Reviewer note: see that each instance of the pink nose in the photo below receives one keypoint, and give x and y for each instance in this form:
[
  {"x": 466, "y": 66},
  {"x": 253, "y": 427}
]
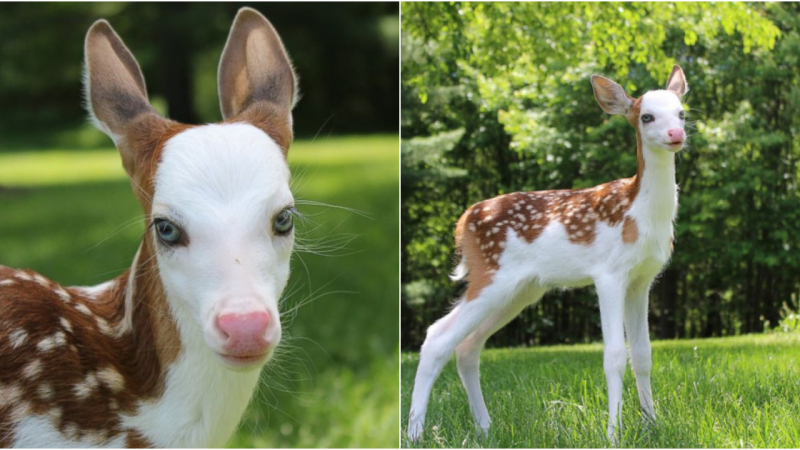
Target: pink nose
[
  {"x": 244, "y": 334},
  {"x": 676, "y": 135}
]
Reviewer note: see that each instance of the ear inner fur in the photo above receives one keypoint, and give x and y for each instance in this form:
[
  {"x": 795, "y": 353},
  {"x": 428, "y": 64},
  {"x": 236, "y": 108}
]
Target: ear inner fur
[
  {"x": 677, "y": 81},
  {"x": 254, "y": 67}
]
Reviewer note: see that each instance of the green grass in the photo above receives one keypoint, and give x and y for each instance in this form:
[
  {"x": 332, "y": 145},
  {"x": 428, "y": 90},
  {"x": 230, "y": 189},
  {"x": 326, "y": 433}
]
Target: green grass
[
  {"x": 728, "y": 392},
  {"x": 71, "y": 216}
]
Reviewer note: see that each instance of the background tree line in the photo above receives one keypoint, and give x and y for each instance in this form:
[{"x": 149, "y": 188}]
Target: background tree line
[
  {"x": 496, "y": 98},
  {"x": 352, "y": 49}
]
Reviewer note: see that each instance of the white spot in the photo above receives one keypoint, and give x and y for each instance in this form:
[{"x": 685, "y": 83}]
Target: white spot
[
  {"x": 472, "y": 227},
  {"x": 23, "y": 276},
  {"x": 71, "y": 431},
  {"x": 495, "y": 230},
  {"x": 7, "y": 282},
  {"x": 501, "y": 244},
  {"x": 495, "y": 256},
  {"x": 62, "y": 294},
  {"x": 45, "y": 391},
  {"x": 18, "y": 337},
  {"x": 9, "y": 395},
  {"x": 66, "y": 325},
  {"x": 102, "y": 324},
  {"x": 49, "y": 343},
  {"x": 84, "y": 309},
  {"x": 85, "y": 388},
  {"x": 111, "y": 378},
  {"x": 488, "y": 218},
  {"x": 41, "y": 280},
  {"x": 33, "y": 369}
]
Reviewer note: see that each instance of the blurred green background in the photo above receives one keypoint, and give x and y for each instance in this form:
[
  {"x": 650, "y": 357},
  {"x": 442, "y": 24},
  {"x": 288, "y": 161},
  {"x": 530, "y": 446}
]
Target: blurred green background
[
  {"x": 496, "y": 98},
  {"x": 67, "y": 211}
]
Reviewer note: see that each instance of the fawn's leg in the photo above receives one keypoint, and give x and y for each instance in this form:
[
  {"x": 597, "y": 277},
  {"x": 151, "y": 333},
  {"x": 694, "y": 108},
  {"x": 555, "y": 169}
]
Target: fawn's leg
[
  {"x": 441, "y": 341},
  {"x": 639, "y": 339},
  {"x": 469, "y": 350},
  {"x": 611, "y": 292}
]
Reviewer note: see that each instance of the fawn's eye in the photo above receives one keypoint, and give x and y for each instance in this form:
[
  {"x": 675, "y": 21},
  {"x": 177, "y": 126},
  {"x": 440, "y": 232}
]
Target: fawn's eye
[
  {"x": 646, "y": 118},
  {"x": 682, "y": 115},
  {"x": 284, "y": 221},
  {"x": 168, "y": 232}
]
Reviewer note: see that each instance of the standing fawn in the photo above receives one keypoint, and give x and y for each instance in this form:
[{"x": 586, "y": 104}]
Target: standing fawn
[
  {"x": 169, "y": 353},
  {"x": 516, "y": 247}
]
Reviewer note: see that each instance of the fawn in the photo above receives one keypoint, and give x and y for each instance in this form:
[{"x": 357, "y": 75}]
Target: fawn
[
  {"x": 617, "y": 236},
  {"x": 169, "y": 353}
]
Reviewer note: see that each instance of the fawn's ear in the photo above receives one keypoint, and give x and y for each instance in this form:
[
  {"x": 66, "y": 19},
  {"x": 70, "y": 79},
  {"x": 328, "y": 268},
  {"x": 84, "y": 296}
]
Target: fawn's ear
[
  {"x": 114, "y": 84},
  {"x": 677, "y": 81},
  {"x": 254, "y": 67},
  {"x": 611, "y": 96}
]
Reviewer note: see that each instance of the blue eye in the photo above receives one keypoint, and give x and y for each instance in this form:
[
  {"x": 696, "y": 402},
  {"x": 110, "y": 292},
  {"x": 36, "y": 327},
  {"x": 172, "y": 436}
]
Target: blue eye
[
  {"x": 646, "y": 118},
  {"x": 284, "y": 221},
  {"x": 168, "y": 232},
  {"x": 682, "y": 115}
]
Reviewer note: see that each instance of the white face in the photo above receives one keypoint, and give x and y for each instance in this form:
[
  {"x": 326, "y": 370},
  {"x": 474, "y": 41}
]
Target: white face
[
  {"x": 661, "y": 121},
  {"x": 222, "y": 213}
]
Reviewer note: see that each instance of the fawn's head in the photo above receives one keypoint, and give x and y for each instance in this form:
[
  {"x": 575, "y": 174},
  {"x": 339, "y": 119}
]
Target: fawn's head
[
  {"x": 658, "y": 116},
  {"x": 216, "y": 197}
]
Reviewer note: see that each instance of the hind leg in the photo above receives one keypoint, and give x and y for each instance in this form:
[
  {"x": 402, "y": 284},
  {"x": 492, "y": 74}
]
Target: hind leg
[
  {"x": 441, "y": 341},
  {"x": 469, "y": 350}
]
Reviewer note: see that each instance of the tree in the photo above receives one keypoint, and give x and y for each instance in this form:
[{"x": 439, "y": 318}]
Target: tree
[{"x": 513, "y": 77}]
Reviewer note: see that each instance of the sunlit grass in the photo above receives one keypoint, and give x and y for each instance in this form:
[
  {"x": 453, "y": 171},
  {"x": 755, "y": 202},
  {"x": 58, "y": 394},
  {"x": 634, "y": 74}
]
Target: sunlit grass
[
  {"x": 71, "y": 215},
  {"x": 728, "y": 392}
]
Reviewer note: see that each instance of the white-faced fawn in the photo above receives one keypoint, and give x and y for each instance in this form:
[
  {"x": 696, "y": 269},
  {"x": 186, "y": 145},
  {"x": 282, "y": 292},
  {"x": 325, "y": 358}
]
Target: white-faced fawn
[
  {"x": 617, "y": 236},
  {"x": 169, "y": 353}
]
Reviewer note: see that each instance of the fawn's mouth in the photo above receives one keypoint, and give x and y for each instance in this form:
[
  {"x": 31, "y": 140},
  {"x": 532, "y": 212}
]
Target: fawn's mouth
[
  {"x": 243, "y": 361},
  {"x": 675, "y": 146}
]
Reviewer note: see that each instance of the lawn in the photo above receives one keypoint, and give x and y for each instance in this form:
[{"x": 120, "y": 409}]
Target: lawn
[
  {"x": 727, "y": 392},
  {"x": 70, "y": 215}
]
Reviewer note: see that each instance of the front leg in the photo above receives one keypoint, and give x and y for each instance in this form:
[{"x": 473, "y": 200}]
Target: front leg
[
  {"x": 637, "y": 330},
  {"x": 611, "y": 292}
]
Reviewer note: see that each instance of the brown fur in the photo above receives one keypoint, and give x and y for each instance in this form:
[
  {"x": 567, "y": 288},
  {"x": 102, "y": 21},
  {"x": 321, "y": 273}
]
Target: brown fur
[
  {"x": 630, "y": 231},
  {"x": 83, "y": 350}
]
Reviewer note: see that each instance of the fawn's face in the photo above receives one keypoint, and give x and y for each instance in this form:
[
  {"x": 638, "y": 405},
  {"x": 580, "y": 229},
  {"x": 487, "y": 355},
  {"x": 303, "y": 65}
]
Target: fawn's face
[
  {"x": 222, "y": 223},
  {"x": 658, "y": 116},
  {"x": 218, "y": 195},
  {"x": 661, "y": 121}
]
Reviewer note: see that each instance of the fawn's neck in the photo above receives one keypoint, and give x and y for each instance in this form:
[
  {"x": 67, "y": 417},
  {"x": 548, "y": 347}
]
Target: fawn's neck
[
  {"x": 657, "y": 197},
  {"x": 191, "y": 399}
]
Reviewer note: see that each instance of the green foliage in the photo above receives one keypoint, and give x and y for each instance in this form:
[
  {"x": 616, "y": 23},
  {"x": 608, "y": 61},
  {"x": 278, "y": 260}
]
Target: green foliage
[
  {"x": 735, "y": 392},
  {"x": 346, "y": 55},
  {"x": 333, "y": 383},
  {"x": 515, "y": 78}
]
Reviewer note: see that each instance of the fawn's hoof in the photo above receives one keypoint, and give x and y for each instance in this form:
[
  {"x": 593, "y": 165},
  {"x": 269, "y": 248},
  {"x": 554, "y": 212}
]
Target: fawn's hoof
[{"x": 414, "y": 432}]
